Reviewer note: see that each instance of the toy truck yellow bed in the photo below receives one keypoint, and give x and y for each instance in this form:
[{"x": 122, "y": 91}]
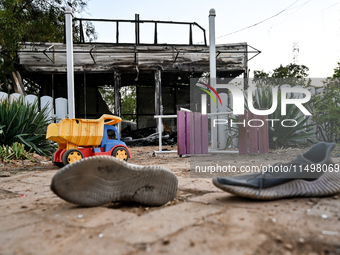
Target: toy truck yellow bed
[{"x": 79, "y": 138}]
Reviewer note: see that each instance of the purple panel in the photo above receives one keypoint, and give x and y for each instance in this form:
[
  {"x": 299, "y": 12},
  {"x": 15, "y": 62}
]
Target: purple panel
[
  {"x": 205, "y": 139},
  {"x": 189, "y": 133},
  {"x": 252, "y": 132},
  {"x": 192, "y": 133},
  {"x": 264, "y": 136},
  {"x": 242, "y": 134},
  {"x": 181, "y": 148},
  {"x": 198, "y": 133}
]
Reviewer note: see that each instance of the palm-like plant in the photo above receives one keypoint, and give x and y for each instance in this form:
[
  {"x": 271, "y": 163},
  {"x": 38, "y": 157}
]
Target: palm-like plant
[{"x": 24, "y": 123}]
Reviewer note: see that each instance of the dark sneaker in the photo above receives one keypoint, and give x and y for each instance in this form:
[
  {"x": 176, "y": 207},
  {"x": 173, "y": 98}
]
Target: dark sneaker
[
  {"x": 311, "y": 174},
  {"x": 100, "y": 180}
]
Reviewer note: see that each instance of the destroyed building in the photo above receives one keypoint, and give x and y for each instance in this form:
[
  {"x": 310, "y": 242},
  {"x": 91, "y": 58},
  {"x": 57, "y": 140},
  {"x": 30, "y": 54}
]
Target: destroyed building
[{"x": 161, "y": 72}]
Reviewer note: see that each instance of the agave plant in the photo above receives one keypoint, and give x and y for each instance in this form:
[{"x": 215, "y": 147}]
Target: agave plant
[
  {"x": 280, "y": 135},
  {"x": 24, "y": 123}
]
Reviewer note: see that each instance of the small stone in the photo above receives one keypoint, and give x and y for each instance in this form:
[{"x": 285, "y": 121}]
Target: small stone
[
  {"x": 324, "y": 216},
  {"x": 101, "y": 235},
  {"x": 24, "y": 206},
  {"x": 276, "y": 237},
  {"x": 336, "y": 197},
  {"x": 288, "y": 246},
  {"x": 165, "y": 241},
  {"x": 301, "y": 240},
  {"x": 273, "y": 220},
  {"x": 80, "y": 216},
  {"x": 310, "y": 203}
]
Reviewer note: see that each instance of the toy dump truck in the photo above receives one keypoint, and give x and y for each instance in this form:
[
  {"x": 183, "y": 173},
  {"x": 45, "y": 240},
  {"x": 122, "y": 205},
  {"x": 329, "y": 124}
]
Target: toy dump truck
[{"x": 81, "y": 138}]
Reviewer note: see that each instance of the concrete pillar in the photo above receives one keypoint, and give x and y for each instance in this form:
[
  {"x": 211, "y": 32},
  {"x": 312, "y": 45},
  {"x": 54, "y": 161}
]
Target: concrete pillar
[
  {"x": 158, "y": 102},
  {"x": 117, "y": 101}
]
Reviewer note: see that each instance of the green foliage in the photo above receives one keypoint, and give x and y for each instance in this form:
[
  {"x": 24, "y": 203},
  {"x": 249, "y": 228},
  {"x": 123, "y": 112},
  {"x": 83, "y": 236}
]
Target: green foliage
[
  {"x": 326, "y": 113},
  {"x": 334, "y": 80},
  {"x": 25, "y": 124},
  {"x": 32, "y": 21},
  {"x": 128, "y": 96},
  {"x": 291, "y": 74},
  {"x": 129, "y": 102},
  {"x": 325, "y": 108},
  {"x": 336, "y": 71},
  {"x": 16, "y": 151},
  {"x": 280, "y": 136}
]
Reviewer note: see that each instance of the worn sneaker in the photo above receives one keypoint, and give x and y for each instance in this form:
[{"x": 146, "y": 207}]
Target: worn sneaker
[
  {"x": 100, "y": 180},
  {"x": 311, "y": 174}
]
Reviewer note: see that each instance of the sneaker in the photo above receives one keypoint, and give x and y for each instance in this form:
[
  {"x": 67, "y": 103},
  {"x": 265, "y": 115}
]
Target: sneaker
[
  {"x": 299, "y": 181},
  {"x": 100, "y": 180}
]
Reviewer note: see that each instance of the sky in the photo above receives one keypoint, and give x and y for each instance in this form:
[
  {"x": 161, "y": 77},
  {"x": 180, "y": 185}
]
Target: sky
[{"x": 274, "y": 27}]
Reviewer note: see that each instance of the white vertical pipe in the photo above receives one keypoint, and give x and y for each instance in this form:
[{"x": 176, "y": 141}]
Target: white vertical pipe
[
  {"x": 203, "y": 103},
  {"x": 160, "y": 131},
  {"x": 212, "y": 50},
  {"x": 70, "y": 70}
]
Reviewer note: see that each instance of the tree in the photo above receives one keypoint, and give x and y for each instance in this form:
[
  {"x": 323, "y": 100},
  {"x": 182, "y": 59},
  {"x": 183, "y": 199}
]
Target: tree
[
  {"x": 326, "y": 110},
  {"x": 291, "y": 74},
  {"x": 128, "y": 101},
  {"x": 31, "y": 21},
  {"x": 336, "y": 71}
]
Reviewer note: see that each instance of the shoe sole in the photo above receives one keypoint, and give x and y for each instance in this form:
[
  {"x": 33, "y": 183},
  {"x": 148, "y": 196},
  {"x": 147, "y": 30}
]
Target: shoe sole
[
  {"x": 326, "y": 185},
  {"x": 100, "y": 180}
]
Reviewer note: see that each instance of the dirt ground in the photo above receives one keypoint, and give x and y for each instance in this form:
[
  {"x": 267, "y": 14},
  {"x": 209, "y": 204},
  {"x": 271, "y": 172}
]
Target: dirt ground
[{"x": 201, "y": 220}]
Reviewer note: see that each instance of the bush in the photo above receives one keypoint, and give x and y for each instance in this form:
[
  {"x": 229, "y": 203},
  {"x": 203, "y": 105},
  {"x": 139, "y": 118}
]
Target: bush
[
  {"x": 326, "y": 114},
  {"x": 280, "y": 136},
  {"x": 24, "y": 123}
]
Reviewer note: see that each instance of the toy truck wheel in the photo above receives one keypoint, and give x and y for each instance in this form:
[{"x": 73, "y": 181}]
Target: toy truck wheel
[
  {"x": 121, "y": 153},
  {"x": 58, "y": 164},
  {"x": 71, "y": 156}
]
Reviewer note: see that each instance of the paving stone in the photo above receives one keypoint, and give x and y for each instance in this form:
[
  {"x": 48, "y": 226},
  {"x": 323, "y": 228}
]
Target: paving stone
[{"x": 156, "y": 225}]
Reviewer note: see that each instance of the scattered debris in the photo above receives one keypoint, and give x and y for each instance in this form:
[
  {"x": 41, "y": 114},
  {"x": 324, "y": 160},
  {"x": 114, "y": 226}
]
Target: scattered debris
[
  {"x": 5, "y": 174},
  {"x": 148, "y": 136}
]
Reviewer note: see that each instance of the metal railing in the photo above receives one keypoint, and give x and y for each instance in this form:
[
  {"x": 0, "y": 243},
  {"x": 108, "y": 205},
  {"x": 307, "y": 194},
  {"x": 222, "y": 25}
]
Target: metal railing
[{"x": 137, "y": 23}]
